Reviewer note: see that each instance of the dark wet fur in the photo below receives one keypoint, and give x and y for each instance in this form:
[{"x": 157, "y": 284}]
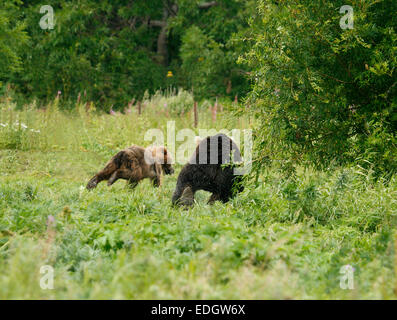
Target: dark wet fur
[{"x": 212, "y": 176}]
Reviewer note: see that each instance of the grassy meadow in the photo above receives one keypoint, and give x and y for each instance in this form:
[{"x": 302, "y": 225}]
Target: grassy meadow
[{"x": 279, "y": 239}]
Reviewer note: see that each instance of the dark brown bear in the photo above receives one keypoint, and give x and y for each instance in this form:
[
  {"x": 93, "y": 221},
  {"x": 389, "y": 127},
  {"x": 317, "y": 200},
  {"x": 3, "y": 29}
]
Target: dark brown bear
[
  {"x": 133, "y": 165},
  {"x": 211, "y": 168}
]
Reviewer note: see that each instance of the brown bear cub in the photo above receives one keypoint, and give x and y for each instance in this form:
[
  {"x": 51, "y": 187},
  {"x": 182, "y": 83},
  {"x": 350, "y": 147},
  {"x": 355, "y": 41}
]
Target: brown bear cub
[
  {"x": 211, "y": 168},
  {"x": 135, "y": 164}
]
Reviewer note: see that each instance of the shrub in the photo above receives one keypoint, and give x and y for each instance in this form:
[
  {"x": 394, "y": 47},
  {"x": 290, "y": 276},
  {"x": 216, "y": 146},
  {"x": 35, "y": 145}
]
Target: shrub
[{"x": 325, "y": 95}]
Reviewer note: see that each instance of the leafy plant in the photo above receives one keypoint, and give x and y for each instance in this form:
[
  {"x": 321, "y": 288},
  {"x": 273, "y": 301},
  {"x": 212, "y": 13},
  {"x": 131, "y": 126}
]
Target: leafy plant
[{"x": 325, "y": 95}]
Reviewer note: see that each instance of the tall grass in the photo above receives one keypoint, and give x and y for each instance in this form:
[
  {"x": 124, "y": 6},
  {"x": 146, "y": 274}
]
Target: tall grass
[{"x": 281, "y": 238}]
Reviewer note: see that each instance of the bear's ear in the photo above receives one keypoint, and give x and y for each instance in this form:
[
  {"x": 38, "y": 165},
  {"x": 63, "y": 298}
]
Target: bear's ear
[
  {"x": 167, "y": 156},
  {"x": 197, "y": 140}
]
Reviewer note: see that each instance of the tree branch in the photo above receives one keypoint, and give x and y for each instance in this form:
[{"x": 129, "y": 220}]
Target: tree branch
[
  {"x": 158, "y": 23},
  {"x": 206, "y": 5}
]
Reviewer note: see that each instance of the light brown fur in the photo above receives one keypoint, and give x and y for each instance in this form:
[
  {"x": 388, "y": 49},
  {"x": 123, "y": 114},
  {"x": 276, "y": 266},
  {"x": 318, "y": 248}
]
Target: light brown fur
[{"x": 135, "y": 164}]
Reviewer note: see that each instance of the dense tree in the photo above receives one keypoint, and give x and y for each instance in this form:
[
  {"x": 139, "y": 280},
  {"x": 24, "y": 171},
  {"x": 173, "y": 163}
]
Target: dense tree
[
  {"x": 210, "y": 46},
  {"x": 12, "y": 36},
  {"x": 323, "y": 93},
  {"x": 319, "y": 92},
  {"x": 114, "y": 50},
  {"x": 98, "y": 49}
]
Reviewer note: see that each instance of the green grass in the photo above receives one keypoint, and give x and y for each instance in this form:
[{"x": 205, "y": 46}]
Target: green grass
[{"x": 279, "y": 239}]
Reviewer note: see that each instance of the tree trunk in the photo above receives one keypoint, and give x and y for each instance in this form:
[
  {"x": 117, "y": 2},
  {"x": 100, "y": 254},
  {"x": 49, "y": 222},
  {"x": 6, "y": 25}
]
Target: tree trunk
[{"x": 162, "y": 43}]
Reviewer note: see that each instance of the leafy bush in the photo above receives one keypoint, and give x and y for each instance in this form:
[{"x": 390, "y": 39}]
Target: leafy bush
[
  {"x": 324, "y": 94},
  {"x": 13, "y": 36},
  {"x": 112, "y": 51}
]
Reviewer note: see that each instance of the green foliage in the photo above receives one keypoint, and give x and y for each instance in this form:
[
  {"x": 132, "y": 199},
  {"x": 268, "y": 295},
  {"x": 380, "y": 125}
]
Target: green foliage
[
  {"x": 281, "y": 238},
  {"x": 203, "y": 61},
  {"x": 325, "y": 95},
  {"x": 92, "y": 51},
  {"x": 112, "y": 51},
  {"x": 209, "y": 51},
  {"x": 320, "y": 96},
  {"x": 12, "y": 37}
]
